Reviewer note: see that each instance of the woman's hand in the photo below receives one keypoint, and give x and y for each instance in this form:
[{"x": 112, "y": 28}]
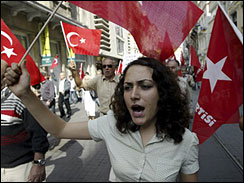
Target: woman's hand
[{"x": 17, "y": 79}]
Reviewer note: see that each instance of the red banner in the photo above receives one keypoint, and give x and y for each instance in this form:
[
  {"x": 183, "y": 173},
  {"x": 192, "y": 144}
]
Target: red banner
[
  {"x": 148, "y": 21},
  {"x": 182, "y": 60},
  {"x": 119, "y": 71},
  {"x": 221, "y": 92},
  {"x": 82, "y": 41},
  {"x": 194, "y": 58},
  {"x": 198, "y": 71},
  {"x": 12, "y": 51}
]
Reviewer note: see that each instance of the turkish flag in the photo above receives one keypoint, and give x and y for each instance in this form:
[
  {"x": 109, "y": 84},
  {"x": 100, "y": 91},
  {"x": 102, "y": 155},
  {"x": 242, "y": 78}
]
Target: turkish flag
[
  {"x": 194, "y": 58},
  {"x": 119, "y": 71},
  {"x": 82, "y": 41},
  {"x": 198, "y": 70},
  {"x": 182, "y": 60},
  {"x": 81, "y": 73},
  {"x": 13, "y": 51},
  {"x": 55, "y": 62},
  {"x": 221, "y": 92},
  {"x": 148, "y": 21}
]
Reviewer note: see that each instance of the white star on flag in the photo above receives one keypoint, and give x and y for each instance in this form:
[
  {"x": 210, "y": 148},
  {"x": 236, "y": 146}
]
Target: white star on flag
[
  {"x": 214, "y": 72},
  {"x": 82, "y": 41},
  {"x": 8, "y": 51}
]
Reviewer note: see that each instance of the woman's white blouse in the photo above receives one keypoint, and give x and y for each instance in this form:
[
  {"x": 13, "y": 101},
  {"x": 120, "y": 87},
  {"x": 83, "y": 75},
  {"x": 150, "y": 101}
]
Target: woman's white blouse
[{"x": 159, "y": 160}]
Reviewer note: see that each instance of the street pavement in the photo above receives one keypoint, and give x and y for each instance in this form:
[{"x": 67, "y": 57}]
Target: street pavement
[
  {"x": 88, "y": 161},
  {"x": 77, "y": 160}
]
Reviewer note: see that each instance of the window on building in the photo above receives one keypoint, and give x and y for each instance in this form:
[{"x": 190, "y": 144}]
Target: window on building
[
  {"x": 119, "y": 40},
  {"x": 234, "y": 17},
  {"x": 54, "y": 49},
  {"x": 120, "y": 46},
  {"x": 119, "y": 31}
]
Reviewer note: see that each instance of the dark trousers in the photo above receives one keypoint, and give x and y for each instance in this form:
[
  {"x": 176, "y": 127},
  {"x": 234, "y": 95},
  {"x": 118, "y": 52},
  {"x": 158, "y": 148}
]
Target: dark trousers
[
  {"x": 71, "y": 99},
  {"x": 51, "y": 106},
  {"x": 61, "y": 102}
]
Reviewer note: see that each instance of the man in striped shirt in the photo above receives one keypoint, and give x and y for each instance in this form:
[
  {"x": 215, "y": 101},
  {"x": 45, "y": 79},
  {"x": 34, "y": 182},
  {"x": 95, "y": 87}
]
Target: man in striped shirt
[{"x": 23, "y": 142}]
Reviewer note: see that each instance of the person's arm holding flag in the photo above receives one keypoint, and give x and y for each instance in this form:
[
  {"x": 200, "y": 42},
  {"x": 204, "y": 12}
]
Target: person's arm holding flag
[
  {"x": 75, "y": 75},
  {"x": 18, "y": 80}
]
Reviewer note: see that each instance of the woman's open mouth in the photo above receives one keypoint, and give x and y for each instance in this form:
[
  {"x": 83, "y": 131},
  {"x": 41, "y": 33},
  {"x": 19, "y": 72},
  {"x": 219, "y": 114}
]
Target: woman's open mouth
[{"x": 137, "y": 111}]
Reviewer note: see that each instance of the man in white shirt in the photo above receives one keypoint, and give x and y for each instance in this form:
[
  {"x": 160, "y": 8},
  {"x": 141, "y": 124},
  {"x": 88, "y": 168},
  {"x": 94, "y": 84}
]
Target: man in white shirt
[
  {"x": 64, "y": 93},
  {"x": 73, "y": 95}
]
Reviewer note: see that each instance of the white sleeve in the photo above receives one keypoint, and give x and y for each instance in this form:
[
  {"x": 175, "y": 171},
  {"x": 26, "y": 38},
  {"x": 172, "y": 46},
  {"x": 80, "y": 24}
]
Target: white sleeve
[
  {"x": 191, "y": 164},
  {"x": 100, "y": 128}
]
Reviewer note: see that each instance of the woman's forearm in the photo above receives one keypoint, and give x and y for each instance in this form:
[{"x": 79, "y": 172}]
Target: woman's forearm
[{"x": 49, "y": 121}]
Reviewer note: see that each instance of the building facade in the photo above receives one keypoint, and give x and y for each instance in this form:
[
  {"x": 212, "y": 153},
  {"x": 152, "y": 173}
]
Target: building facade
[{"x": 24, "y": 18}]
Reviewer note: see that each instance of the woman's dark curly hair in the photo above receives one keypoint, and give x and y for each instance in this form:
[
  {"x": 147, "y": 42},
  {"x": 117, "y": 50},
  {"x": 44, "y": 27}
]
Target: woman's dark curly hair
[{"x": 173, "y": 111}]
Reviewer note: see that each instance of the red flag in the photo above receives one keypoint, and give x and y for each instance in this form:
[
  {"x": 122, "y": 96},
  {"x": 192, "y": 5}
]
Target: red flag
[
  {"x": 82, "y": 41},
  {"x": 198, "y": 70},
  {"x": 221, "y": 92},
  {"x": 55, "y": 62},
  {"x": 168, "y": 51},
  {"x": 198, "y": 73},
  {"x": 119, "y": 70},
  {"x": 148, "y": 21},
  {"x": 120, "y": 67},
  {"x": 81, "y": 73},
  {"x": 182, "y": 60},
  {"x": 194, "y": 58},
  {"x": 12, "y": 51},
  {"x": 180, "y": 73}
]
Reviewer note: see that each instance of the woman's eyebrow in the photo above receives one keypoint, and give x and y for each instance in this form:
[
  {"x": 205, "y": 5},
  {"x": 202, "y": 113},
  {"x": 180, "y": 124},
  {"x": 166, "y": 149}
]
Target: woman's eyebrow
[
  {"x": 143, "y": 80},
  {"x": 140, "y": 81}
]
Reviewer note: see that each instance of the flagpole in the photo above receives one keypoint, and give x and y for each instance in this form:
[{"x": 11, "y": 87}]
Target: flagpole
[
  {"x": 38, "y": 35},
  {"x": 65, "y": 39}
]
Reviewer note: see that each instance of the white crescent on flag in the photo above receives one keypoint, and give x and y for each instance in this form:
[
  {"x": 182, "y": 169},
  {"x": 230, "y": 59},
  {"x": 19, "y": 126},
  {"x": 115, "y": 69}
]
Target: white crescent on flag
[
  {"x": 69, "y": 36},
  {"x": 55, "y": 61},
  {"x": 8, "y": 51},
  {"x": 7, "y": 36}
]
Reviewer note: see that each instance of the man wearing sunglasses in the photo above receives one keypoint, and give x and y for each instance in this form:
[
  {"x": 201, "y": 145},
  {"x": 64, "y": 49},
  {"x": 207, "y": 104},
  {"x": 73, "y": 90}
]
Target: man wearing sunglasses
[{"x": 104, "y": 84}]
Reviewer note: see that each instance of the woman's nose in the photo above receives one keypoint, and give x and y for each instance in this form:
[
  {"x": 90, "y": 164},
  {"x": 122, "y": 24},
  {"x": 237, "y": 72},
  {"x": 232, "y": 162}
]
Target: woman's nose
[{"x": 135, "y": 93}]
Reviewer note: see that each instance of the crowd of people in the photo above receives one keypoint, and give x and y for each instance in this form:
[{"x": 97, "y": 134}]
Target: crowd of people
[{"x": 144, "y": 120}]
